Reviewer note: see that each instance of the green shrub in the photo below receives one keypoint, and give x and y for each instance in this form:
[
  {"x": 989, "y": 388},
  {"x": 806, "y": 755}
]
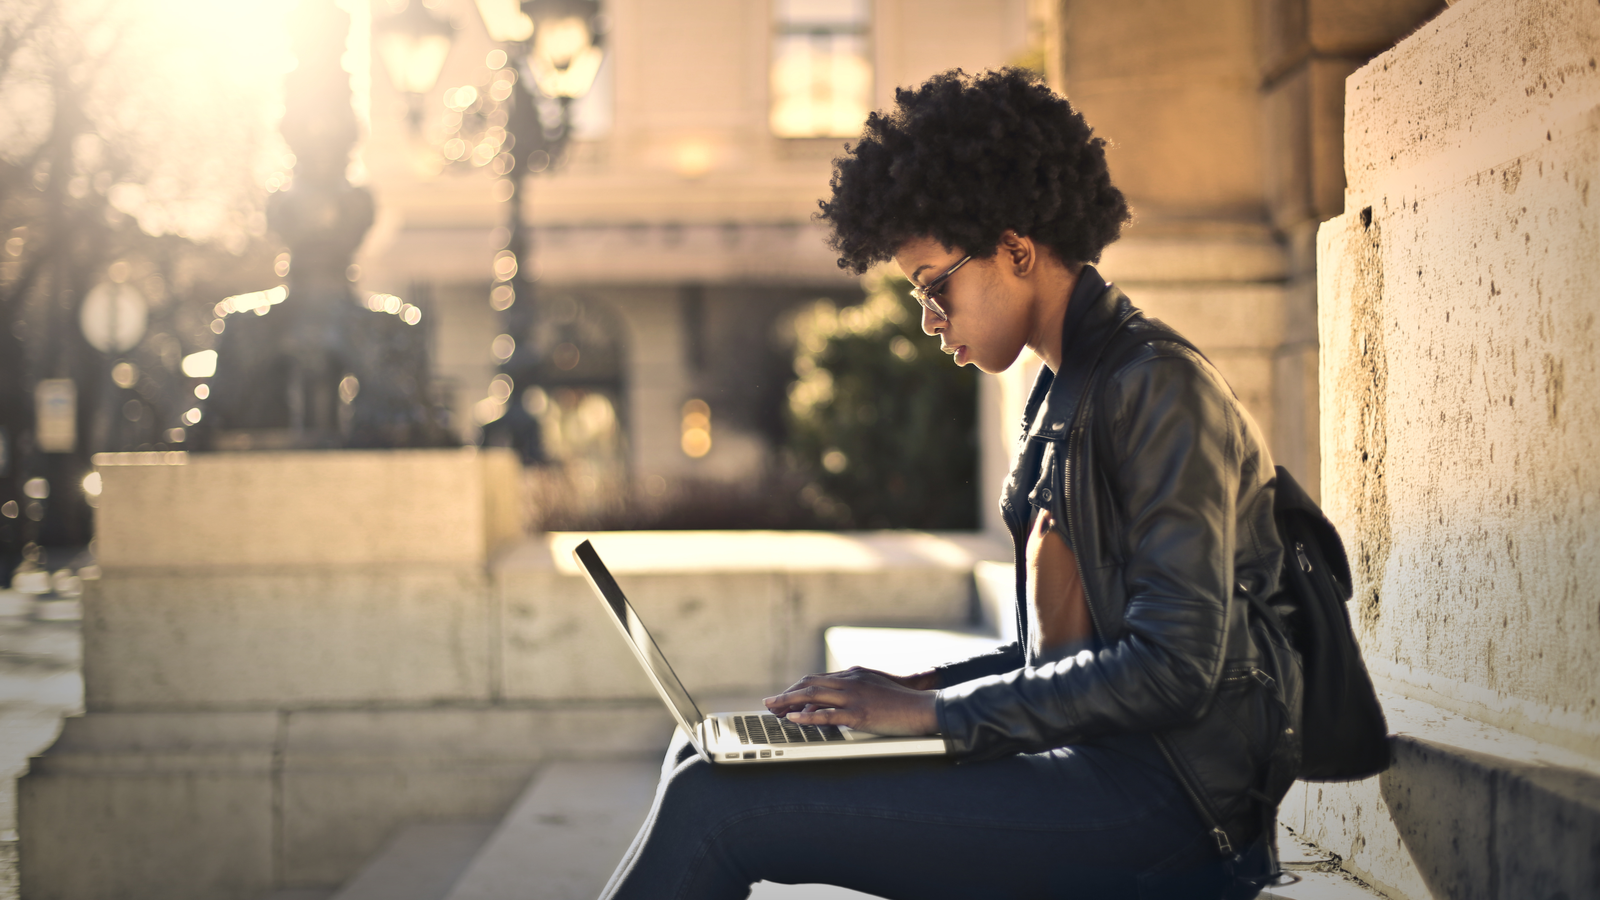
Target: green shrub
[{"x": 882, "y": 425}]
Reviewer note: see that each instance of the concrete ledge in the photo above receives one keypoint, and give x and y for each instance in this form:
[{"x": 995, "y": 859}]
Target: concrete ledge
[
  {"x": 1466, "y": 811},
  {"x": 737, "y": 612}
]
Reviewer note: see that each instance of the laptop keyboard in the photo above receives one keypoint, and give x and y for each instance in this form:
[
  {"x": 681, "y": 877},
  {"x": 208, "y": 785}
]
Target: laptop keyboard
[{"x": 773, "y": 730}]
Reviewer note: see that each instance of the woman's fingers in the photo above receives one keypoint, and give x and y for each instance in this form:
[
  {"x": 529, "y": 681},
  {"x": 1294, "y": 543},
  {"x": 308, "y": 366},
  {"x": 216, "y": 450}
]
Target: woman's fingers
[
  {"x": 817, "y": 694},
  {"x": 826, "y": 716}
]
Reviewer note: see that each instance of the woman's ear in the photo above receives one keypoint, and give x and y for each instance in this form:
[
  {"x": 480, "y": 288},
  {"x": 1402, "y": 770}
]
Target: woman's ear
[{"x": 1020, "y": 252}]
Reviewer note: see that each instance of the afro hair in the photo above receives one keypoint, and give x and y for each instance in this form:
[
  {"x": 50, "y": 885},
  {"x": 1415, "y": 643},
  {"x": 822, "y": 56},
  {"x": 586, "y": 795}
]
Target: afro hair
[{"x": 961, "y": 159}]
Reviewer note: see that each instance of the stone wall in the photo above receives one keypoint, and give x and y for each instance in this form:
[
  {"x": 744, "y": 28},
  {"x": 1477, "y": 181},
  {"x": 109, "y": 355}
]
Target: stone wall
[
  {"x": 1458, "y": 377},
  {"x": 1459, "y": 372}
]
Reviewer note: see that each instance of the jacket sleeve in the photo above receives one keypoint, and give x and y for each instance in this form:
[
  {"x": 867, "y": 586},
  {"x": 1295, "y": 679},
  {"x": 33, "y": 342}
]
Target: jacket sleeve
[
  {"x": 996, "y": 661},
  {"x": 1173, "y": 468}
]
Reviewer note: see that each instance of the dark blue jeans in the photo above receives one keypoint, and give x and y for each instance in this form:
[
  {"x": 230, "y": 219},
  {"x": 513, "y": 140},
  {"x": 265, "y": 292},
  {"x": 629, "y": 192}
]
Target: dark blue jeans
[{"x": 1104, "y": 821}]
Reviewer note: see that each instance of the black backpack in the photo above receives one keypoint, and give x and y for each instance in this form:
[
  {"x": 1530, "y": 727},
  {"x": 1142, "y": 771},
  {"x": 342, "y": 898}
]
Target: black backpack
[{"x": 1345, "y": 734}]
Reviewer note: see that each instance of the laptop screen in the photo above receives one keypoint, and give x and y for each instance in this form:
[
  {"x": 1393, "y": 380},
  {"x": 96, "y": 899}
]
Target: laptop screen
[{"x": 644, "y": 646}]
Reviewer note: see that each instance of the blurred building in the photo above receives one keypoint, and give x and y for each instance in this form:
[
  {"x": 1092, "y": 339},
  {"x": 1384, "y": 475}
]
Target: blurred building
[{"x": 670, "y": 245}]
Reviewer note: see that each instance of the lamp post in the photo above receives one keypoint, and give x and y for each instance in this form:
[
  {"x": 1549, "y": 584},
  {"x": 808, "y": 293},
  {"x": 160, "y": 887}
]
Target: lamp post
[
  {"x": 555, "y": 46},
  {"x": 413, "y": 44},
  {"x": 554, "y": 51}
]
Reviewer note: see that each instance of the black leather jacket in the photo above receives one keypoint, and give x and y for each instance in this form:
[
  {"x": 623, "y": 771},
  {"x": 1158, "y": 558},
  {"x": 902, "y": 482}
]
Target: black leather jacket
[{"x": 1163, "y": 487}]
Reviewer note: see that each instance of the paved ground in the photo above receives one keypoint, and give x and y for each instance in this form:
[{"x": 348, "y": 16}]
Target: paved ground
[{"x": 41, "y": 651}]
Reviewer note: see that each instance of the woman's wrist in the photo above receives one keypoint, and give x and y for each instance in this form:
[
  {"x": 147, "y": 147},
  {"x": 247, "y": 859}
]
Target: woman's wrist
[{"x": 931, "y": 680}]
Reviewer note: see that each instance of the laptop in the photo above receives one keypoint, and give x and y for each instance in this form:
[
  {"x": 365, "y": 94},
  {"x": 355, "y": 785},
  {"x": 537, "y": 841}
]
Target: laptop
[{"x": 737, "y": 738}]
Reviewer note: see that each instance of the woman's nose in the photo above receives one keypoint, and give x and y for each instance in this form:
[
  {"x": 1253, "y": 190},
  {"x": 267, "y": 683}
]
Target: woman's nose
[{"x": 930, "y": 322}]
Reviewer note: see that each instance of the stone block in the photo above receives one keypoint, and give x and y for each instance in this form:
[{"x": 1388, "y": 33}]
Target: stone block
[
  {"x": 1284, "y": 37},
  {"x": 288, "y": 638},
  {"x": 1217, "y": 317},
  {"x": 1473, "y": 90},
  {"x": 1195, "y": 253},
  {"x": 352, "y": 507},
  {"x": 1169, "y": 40},
  {"x": 224, "y": 804},
  {"x": 1156, "y": 74},
  {"x": 1217, "y": 123},
  {"x": 1547, "y": 833},
  {"x": 1482, "y": 826},
  {"x": 738, "y": 613},
  {"x": 1360, "y": 28},
  {"x": 1303, "y": 124},
  {"x": 895, "y": 596},
  {"x": 1456, "y": 314},
  {"x": 1293, "y": 31},
  {"x": 174, "y": 806}
]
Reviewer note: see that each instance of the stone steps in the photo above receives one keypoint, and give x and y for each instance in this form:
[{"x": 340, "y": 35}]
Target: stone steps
[
  {"x": 564, "y": 836},
  {"x": 423, "y": 862}
]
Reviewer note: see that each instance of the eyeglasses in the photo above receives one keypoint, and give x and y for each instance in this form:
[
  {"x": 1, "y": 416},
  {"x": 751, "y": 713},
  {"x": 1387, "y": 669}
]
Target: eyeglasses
[{"x": 927, "y": 294}]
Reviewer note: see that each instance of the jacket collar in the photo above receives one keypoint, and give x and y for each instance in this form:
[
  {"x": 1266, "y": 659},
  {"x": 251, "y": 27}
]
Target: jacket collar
[{"x": 1095, "y": 311}]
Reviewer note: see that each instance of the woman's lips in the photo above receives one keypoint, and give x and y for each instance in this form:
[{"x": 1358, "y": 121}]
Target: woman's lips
[{"x": 959, "y": 352}]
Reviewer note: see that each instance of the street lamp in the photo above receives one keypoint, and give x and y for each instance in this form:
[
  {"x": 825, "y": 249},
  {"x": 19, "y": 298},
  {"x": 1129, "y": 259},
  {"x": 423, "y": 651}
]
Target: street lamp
[
  {"x": 413, "y": 44},
  {"x": 566, "y": 55},
  {"x": 505, "y": 21},
  {"x": 556, "y": 48}
]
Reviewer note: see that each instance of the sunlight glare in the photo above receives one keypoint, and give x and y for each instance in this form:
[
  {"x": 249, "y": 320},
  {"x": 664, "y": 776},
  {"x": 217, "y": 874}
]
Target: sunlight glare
[{"x": 203, "y": 80}]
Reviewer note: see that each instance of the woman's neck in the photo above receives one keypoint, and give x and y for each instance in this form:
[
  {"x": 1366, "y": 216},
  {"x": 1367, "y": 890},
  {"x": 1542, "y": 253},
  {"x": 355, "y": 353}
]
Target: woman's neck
[{"x": 1052, "y": 293}]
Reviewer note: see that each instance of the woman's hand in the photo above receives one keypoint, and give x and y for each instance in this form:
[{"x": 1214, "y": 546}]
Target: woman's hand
[{"x": 865, "y": 699}]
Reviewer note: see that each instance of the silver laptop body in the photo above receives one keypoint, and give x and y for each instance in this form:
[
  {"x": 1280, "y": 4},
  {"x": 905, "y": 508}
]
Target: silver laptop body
[{"x": 736, "y": 738}]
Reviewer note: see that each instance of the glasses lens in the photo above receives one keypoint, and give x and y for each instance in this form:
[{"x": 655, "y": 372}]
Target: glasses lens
[{"x": 924, "y": 298}]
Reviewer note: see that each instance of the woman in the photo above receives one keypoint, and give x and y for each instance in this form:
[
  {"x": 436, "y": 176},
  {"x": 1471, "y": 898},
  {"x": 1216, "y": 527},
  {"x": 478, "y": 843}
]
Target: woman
[{"x": 1135, "y": 741}]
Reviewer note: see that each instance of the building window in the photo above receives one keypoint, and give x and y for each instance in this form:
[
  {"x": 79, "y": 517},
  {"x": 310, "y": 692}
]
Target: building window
[{"x": 821, "y": 71}]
